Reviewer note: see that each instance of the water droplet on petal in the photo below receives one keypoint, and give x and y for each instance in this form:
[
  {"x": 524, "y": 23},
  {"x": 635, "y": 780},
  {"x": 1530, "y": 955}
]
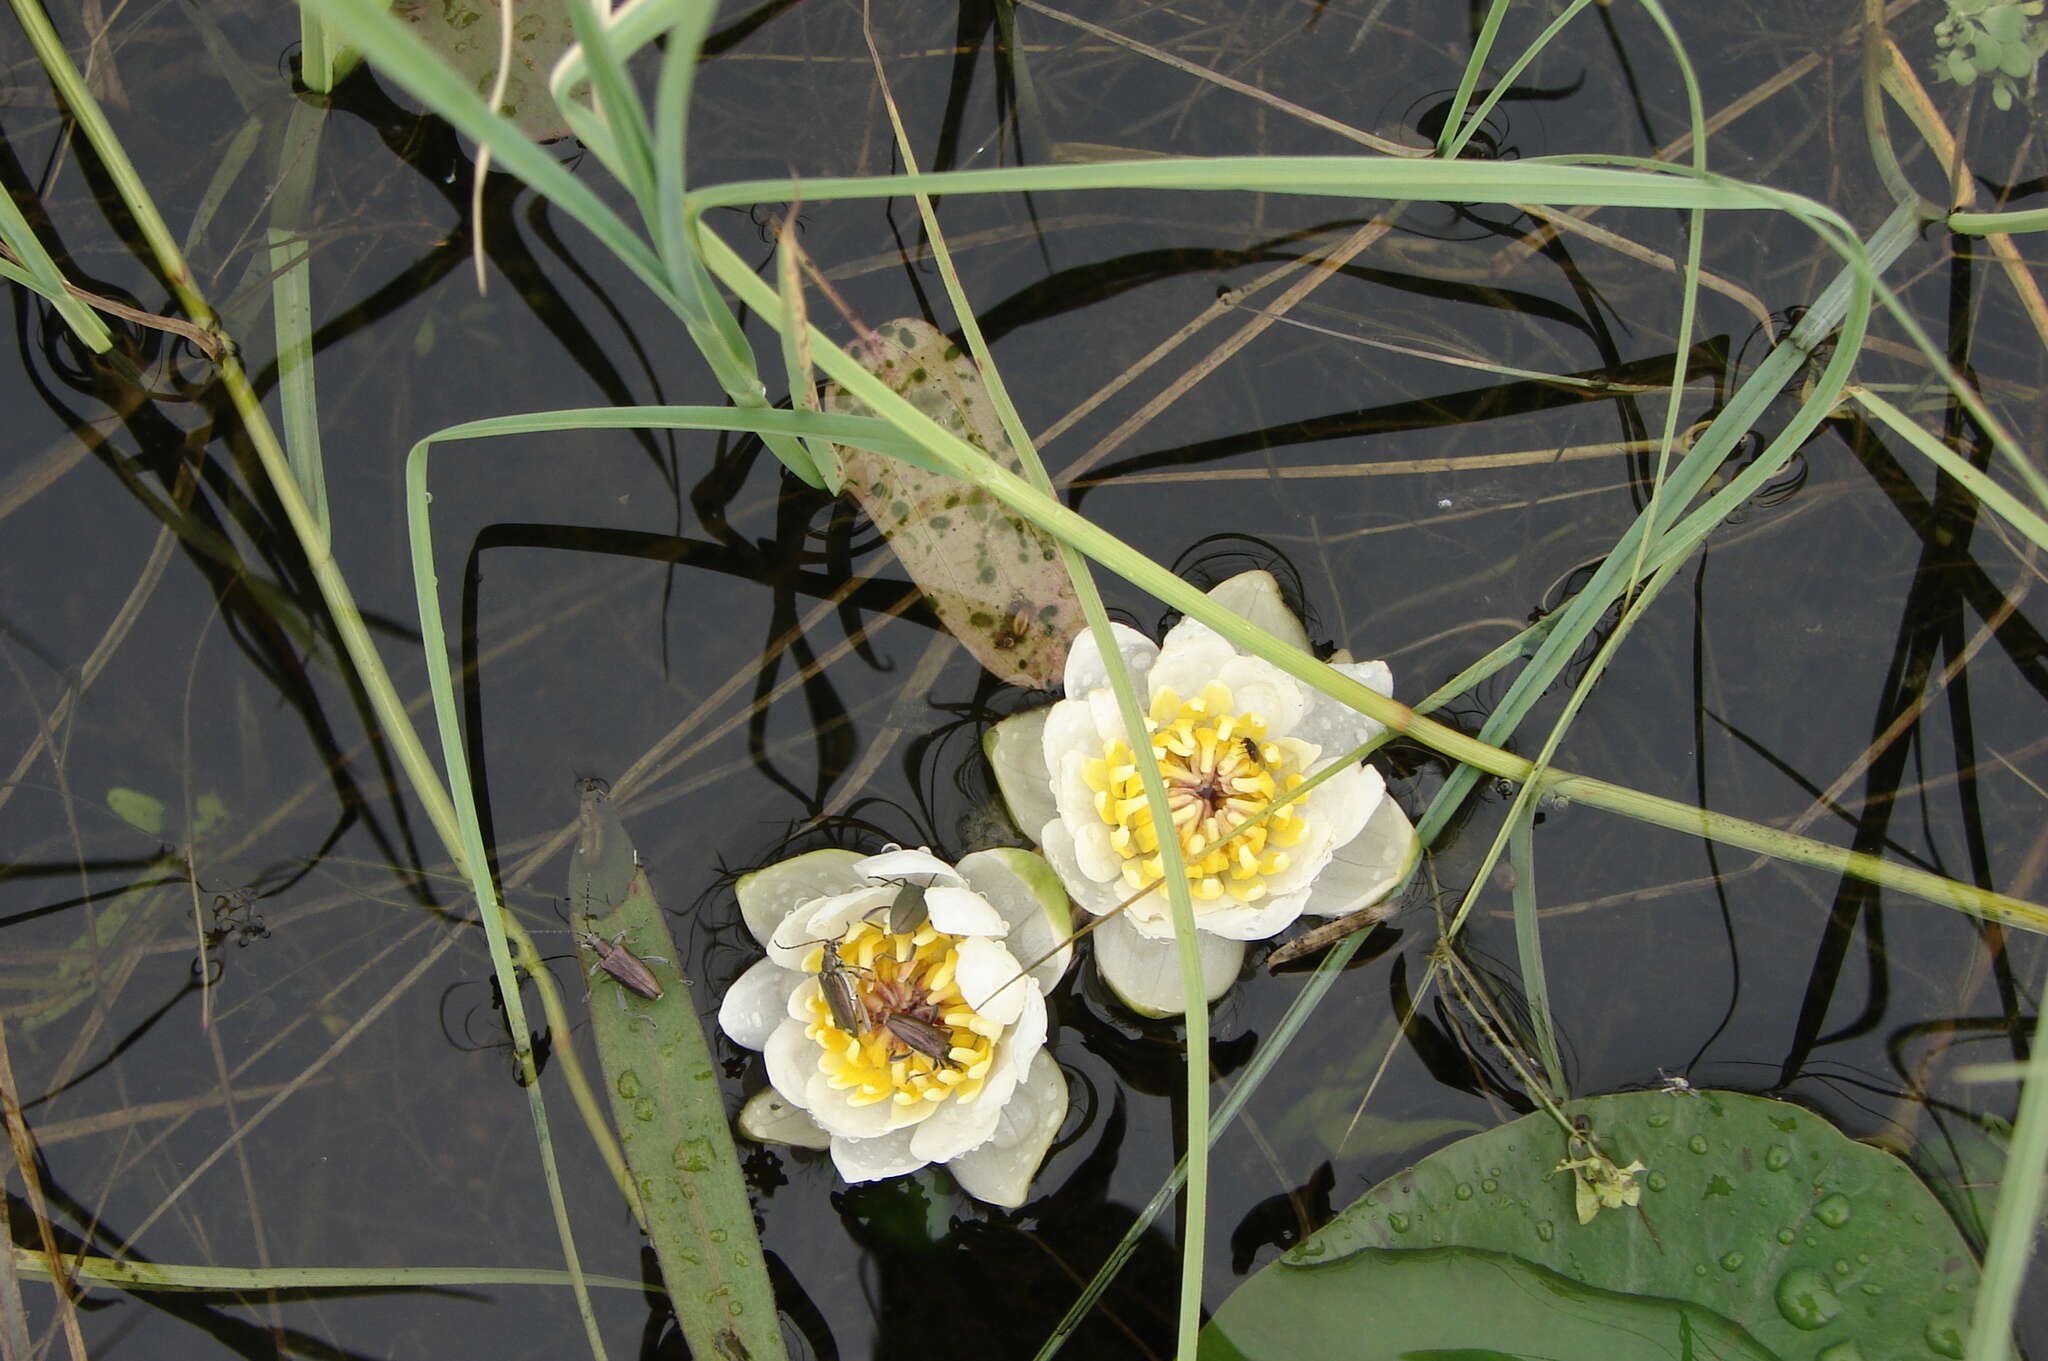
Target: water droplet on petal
[
  {"x": 1732, "y": 1261},
  {"x": 1845, "y": 1350},
  {"x": 1778, "y": 1158},
  {"x": 1545, "y": 1230},
  {"x": 1786, "y": 1236},
  {"x": 1698, "y": 1143},
  {"x": 1463, "y": 1190},
  {"x": 1398, "y": 1222},
  {"x": 1835, "y": 1211}
]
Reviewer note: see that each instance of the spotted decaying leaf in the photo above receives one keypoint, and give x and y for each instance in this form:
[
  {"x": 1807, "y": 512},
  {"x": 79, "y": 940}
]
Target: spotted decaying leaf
[
  {"x": 464, "y": 33},
  {"x": 994, "y": 578}
]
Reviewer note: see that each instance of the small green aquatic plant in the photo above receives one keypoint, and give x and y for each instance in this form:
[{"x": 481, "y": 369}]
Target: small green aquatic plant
[{"x": 2000, "y": 40}]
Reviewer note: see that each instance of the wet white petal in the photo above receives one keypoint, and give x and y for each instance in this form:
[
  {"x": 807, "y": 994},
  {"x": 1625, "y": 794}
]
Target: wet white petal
[
  {"x": 1269, "y": 916},
  {"x": 1015, "y": 749},
  {"x": 1085, "y": 669},
  {"x": 1056, "y": 843},
  {"x": 1193, "y": 656},
  {"x": 1145, "y": 974},
  {"x": 887, "y": 1155},
  {"x": 1256, "y": 597},
  {"x": 1334, "y": 725},
  {"x": 833, "y": 917},
  {"x": 963, "y": 912},
  {"x": 918, "y": 866},
  {"x": 1259, "y": 687},
  {"x": 1028, "y": 894},
  {"x": 756, "y": 1003},
  {"x": 770, "y": 894},
  {"x": 1000, "y": 1170},
  {"x": 990, "y": 982},
  {"x": 768, "y": 1118},
  {"x": 1369, "y": 867},
  {"x": 835, "y": 1112},
  {"x": 792, "y": 1059}
]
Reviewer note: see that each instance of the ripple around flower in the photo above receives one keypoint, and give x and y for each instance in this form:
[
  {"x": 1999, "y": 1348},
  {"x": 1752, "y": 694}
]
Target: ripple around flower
[
  {"x": 1219, "y": 774},
  {"x": 912, "y": 974}
]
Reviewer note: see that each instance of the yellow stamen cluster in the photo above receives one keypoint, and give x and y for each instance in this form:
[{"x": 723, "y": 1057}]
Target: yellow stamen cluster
[
  {"x": 1218, "y": 774},
  {"x": 898, "y": 972}
]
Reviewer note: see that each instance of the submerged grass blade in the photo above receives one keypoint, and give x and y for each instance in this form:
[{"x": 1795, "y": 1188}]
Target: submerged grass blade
[{"x": 291, "y": 292}]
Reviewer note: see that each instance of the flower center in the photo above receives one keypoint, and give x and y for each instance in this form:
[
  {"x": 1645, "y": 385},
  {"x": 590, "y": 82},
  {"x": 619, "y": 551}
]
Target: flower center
[
  {"x": 1218, "y": 773},
  {"x": 914, "y": 1038}
]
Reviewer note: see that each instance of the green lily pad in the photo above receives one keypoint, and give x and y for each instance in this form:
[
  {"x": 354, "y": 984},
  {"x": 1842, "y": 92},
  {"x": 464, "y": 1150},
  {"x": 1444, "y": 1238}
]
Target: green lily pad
[
  {"x": 994, "y": 578},
  {"x": 1406, "y": 1306},
  {"x": 1756, "y": 1210}
]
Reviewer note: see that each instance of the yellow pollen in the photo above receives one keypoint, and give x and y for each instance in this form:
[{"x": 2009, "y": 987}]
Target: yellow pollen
[
  {"x": 1219, "y": 771},
  {"x": 911, "y": 975}
]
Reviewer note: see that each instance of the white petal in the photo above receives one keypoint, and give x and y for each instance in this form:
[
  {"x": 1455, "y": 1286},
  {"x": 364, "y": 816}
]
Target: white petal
[
  {"x": 770, "y": 894},
  {"x": 828, "y": 920},
  {"x": 839, "y": 1117},
  {"x": 792, "y": 1059},
  {"x": 1372, "y": 865},
  {"x": 1259, "y": 687},
  {"x": 1256, "y": 596},
  {"x": 954, "y": 1128},
  {"x": 1107, "y": 717},
  {"x": 1347, "y": 799},
  {"x": 1070, "y": 738},
  {"x": 756, "y": 1003},
  {"x": 1000, "y": 1171},
  {"x": 963, "y": 912},
  {"x": 1269, "y": 916},
  {"x": 1015, "y": 749},
  {"x": 886, "y": 1155},
  {"x": 1086, "y": 831},
  {"x": 1335, "y": 726},
  {"x": 769, "y": 1119},
  {"x": 1094, "y": 895},
  {"x": 1193, "y": 656},
  {"x": 1025, "y": 890},
  {"x": 918, "y": 867},
  {"x": 1145, "y": 974},
  {"x": 1306, "y": 858},
  {"x": 1085, "y": 670},
  {"x": 992, "y": 981}
]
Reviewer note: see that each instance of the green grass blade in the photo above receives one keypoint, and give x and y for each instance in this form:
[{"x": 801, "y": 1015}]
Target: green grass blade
[
  {"x": 292, "y": 309},
  {"x": 1973, "y": 479},
  {"x": 407, "y": 62},
  {"x": 1997, "y": 224},
  {"x": 1457, "y": 129}
]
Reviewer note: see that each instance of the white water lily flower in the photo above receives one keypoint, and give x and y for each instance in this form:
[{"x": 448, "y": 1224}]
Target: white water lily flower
[
  {"x": 899, "y": 1048},
  {"x": 1231, "y": 732}
]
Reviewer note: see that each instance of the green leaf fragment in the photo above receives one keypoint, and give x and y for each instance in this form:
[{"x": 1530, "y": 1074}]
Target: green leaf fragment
[
  {"x": 143, "y": 812},
  {"x": 670, "y": 1112}
]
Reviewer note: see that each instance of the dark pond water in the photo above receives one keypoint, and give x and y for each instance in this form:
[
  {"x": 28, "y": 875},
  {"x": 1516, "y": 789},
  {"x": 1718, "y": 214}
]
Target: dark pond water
[{"x": 626, "y": 595}]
